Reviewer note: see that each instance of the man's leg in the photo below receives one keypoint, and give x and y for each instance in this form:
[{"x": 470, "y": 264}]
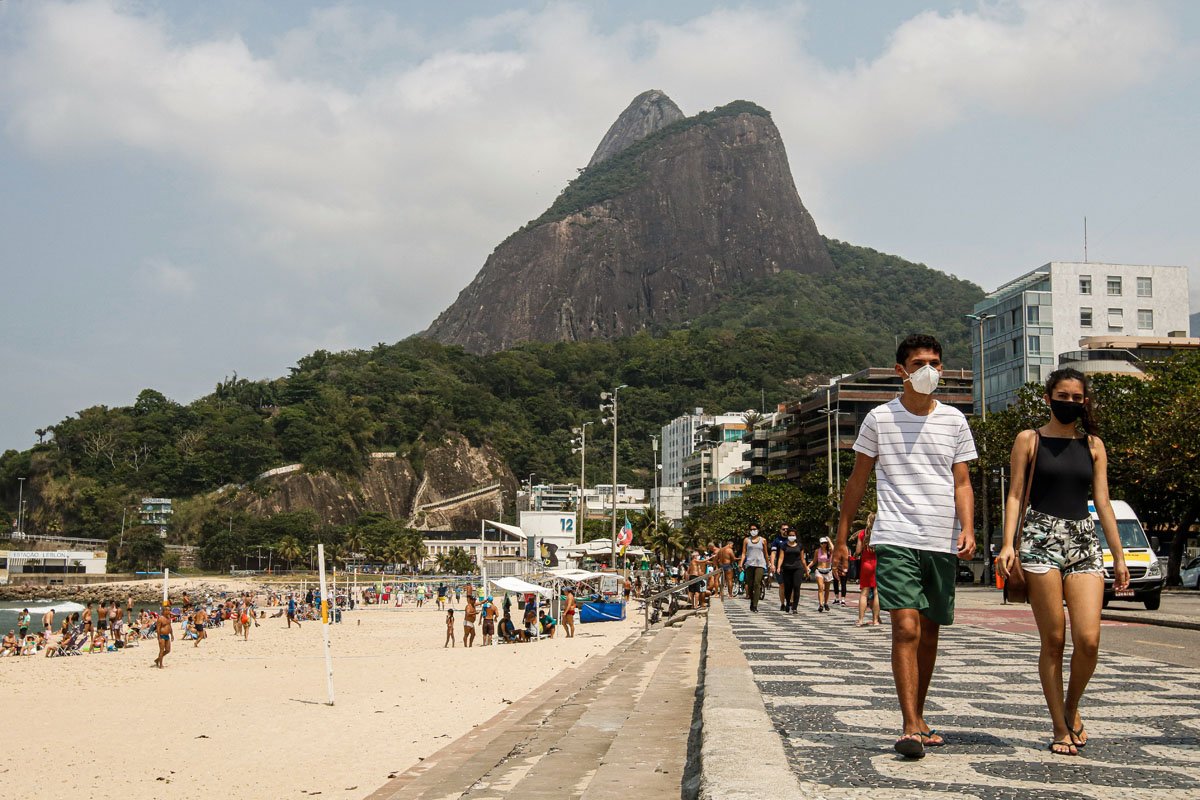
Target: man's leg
[
  {"x": 926, "y": 659},
  {"x": 906, "y": 640}
]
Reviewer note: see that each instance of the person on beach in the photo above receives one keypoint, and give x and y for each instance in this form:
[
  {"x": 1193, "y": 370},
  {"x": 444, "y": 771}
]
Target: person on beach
[
  {"x": 199, "y": 620},
  {"x": 87, "y": 617},
  {"x": 117, "y": 623},
  {"x": 695, "y": 568},
  {"x": 112, "y": 619},
  {"x": 725, "y": 559},
  {"x": 549, "y": 624},
  {"x": 568, "y": 620},
  {"x": 291, "y": 611},
  {"x": 102, "y": 617},
  {"x": 919, "y": 449},
  {"x": 823, "y": 564},
  {"x": 48, "y": 621},
  {"x": 489, "y": 620},
  {"x": 789, "y": 564},
  {"x": 164, "y": 633},
  {"x": 754, "y": 564},
  {"x": 8, "y": 646},
  {"x": 867, "y": 596},
  {"x": 23, "y": 624},
  {"x": 449, "y": 629},
  {"x": 469, "y": 615},
  {"x": 1059, "y": 551},
  {"x": 457, "y": 595}
]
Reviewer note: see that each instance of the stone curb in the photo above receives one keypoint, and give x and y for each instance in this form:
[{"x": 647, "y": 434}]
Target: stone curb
[
  {"x": 1150, "y": 619},
  {"x": 741, "y": 754}
]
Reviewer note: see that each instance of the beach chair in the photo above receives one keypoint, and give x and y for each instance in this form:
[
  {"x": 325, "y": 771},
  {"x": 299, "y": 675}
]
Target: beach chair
[{"x": 69, "y": 647}]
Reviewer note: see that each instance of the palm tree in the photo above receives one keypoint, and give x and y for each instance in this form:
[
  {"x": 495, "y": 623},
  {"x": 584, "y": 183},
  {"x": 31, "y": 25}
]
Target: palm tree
[
  {"x": 41, "y": 434},
  {"x": 289, "y": 549},
  {"x": 665, "y": 542}
]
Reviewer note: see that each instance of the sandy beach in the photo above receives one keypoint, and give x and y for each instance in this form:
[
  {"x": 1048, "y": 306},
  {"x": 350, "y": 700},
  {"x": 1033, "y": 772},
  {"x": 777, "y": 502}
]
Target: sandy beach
[{"x": 236, "y": 719}]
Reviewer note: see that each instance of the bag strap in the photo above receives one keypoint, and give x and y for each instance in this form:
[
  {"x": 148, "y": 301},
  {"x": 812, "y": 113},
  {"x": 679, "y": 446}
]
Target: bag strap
[{"x": 1037, "y": 445}]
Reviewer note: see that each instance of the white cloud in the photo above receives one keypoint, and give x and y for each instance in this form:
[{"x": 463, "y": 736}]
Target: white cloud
[
  {"x": 384, "y": 182},
  {"x": 168, "y": 278}
]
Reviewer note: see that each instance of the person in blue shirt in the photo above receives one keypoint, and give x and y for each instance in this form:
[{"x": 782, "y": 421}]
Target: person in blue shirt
[
  {"x": 291, "y": 611},
  {"x": 777, "y": 544}
]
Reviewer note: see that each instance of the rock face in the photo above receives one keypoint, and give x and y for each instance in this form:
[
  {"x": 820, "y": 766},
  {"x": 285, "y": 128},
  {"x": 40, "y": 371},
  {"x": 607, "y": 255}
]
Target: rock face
[
  {"x": 451, "y": 494},
  {"x": 649, "y": 112},
  {"x": 650, "y": 235}
]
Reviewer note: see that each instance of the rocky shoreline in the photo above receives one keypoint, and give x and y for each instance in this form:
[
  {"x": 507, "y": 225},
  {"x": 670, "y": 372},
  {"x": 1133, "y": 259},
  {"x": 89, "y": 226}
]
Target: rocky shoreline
[{"x": 141, "y": 591}]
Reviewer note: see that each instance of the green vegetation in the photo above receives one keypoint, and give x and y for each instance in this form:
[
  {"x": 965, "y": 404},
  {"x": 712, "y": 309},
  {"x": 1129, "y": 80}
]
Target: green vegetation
[
  {"x": 623, "y": 172},
  {"x": 767, "y": 342}
]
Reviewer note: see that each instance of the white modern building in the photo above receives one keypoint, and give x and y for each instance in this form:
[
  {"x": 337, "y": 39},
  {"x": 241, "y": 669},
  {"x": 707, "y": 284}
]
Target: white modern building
[
  {"x": 680, "y": 437},
  {"x": 52, "y": 566},
  {"x": 1031, "y": 320},
  {"x": 715, "y": 471},
  {"x": 669, "y": 502}
]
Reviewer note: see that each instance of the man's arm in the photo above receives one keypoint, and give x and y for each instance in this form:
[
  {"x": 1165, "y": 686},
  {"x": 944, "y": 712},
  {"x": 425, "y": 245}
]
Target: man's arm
[
  {"x": 856, "y": 487},
  {"x": 964, "y": 508}
]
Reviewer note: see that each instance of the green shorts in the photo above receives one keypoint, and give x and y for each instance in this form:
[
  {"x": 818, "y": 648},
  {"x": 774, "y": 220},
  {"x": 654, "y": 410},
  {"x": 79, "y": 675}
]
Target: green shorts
[{"x": 920, "y": 579}]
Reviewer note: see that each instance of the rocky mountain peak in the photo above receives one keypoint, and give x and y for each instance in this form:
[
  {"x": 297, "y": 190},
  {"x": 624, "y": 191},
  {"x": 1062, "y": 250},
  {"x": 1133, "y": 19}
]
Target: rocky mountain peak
[{"x": 650, "y": 111}]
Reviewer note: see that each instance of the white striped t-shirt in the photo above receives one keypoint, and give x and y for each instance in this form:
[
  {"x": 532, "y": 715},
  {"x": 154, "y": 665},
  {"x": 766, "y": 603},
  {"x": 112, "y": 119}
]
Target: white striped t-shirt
[{"x": 914, "y": 479}]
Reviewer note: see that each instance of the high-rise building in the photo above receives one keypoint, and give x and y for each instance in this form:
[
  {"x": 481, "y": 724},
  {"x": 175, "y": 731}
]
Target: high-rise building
[
  {"x": 1031, "y": 320},
  {"x": 680, "y": 437},
  {"x": 714, "y": 472}
]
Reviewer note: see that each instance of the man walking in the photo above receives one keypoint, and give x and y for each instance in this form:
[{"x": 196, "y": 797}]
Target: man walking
[
  {"x": 164, "y": 632},
  {"x": 919, "y": 449}
]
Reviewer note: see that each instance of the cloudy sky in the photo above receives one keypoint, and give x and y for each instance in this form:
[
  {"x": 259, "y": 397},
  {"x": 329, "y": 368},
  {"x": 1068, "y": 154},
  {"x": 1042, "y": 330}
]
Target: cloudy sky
[{"x": 196, "y": 189}]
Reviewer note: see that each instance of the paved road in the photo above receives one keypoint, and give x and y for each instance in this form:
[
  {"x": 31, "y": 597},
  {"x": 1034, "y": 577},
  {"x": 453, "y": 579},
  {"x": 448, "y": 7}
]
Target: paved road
[{"x": 828, "y": 688}]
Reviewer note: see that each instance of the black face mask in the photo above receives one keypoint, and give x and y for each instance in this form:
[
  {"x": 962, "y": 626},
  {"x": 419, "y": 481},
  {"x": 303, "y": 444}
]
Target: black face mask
[{"x": 1065, "y": 411}]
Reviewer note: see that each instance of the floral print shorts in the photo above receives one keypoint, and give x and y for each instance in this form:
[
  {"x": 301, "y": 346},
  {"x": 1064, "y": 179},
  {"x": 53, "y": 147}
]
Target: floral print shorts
[{"x": 1067, "y": 545}]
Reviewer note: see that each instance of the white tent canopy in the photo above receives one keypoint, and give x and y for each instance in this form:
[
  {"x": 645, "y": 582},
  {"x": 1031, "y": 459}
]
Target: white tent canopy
[
  {"x": 513, "y": 529},
  {"x": 575, "y": 574},
  {"x": 518, "y": 586},
  {"x": 599, "y": 547}
]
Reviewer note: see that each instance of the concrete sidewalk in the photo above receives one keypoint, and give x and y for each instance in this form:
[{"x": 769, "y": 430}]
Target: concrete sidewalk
[{"x": 827, "y": 690}]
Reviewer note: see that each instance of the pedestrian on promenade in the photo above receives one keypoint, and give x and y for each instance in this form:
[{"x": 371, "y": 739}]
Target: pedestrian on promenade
[
  {"x": 789, "y": 562},
  {"x": 695, "y": 569},
  {"x": 754, "y": 564},
  {"x": 919, "y": 449},
  {"x": 1056, "y": 468},
  {"x": 823, "y": 561},
  {"x": 724, "y": 558},
  {"x": 867, "y": 596},
  {"x": 779, "y": 540}
]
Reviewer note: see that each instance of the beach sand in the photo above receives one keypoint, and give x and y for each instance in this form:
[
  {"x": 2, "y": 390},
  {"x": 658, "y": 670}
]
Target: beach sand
[{"x": 234, "y": 719}]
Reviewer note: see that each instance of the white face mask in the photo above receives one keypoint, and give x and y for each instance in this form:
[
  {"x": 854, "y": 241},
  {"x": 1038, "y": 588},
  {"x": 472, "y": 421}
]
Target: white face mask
[
  {"x": 791, "y": 540},
  {"x": 753, "y": 534},
  {"x": 925, "y": 380}
]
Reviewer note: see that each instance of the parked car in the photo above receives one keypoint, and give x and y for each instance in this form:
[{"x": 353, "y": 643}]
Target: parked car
[
  {"x": 964, "y": 574},
  {"x": 1146, "y": 575},
  {"x": 1190, "y": 574}
]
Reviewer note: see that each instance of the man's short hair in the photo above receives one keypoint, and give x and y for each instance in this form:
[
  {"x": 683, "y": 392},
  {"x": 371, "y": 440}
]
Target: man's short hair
[{"x": 914, "y": 342}]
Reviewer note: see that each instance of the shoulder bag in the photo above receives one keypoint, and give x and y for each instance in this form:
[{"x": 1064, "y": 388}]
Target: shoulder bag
[{"x": 1015, "y": 585}]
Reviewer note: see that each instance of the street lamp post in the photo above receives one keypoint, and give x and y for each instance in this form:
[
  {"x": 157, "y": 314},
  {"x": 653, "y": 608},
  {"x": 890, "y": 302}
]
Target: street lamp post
[
  {"x": 987, "y": 517},
  {"x": 657, "y": 504},
  {"x": 612, "y": 406},
  {"x": 21, "y": 506},
  {"x": 581, "y": 431}
]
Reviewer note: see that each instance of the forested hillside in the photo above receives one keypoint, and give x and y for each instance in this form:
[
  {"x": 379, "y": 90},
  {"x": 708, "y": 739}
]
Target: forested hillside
[{"x": 334, "y": 409}]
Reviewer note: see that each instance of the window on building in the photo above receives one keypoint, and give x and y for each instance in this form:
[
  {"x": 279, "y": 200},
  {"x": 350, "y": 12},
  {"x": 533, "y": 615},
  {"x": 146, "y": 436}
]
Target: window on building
[
  {"x": 1033, "y": 315},
  {"x": 1114, "y": 285},
  {"x": 1085, "y": 317},
  {"x": 1016, "y": 346},
  {"x": 1145, "y": 319},
  {"x": 1116, "y": 318},
  {"x": 1085, "y": 284},
  {"x": 1035, "y": 373},
  {"x": 1016, "y": 316},
  {"x": 1035, "y": 344},
  {"x": 1145, "y": 287}
]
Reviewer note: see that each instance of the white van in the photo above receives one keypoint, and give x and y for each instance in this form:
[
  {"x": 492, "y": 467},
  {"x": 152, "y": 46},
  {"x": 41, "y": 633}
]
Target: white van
[{"x": 1146, "y": 574}]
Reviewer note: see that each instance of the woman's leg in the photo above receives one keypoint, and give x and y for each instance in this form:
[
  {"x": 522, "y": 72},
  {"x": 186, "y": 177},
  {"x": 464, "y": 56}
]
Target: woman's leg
[
  {"x": 793, "y": 590},
  {"x": 862, "y": 605},
  {"x": 822, "y": 591},
  {"x": 1046, "y": 598},
  {"x": 1085, "y": 596},
  {"x": 875, "y": 604}
]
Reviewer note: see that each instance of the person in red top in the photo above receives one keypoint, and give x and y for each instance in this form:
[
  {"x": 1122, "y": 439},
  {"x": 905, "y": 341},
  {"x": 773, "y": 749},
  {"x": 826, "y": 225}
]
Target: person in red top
[{"x": 866, "y": 573}]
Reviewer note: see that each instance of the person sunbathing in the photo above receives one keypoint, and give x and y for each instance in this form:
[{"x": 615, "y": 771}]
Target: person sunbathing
[{"x": 8, "y": 646}]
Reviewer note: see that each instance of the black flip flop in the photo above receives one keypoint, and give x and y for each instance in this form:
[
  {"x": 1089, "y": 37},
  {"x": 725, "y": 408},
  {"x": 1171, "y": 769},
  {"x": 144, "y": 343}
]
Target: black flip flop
[
  {"x": 910, "y": 746},
  {"x": 1062, "y": 743},
  {"x": 1077, "y": 735}
]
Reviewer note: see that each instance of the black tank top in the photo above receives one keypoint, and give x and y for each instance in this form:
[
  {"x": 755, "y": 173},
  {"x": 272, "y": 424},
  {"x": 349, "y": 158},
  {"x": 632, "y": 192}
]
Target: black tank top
[{"x": 1062, "y": 477}]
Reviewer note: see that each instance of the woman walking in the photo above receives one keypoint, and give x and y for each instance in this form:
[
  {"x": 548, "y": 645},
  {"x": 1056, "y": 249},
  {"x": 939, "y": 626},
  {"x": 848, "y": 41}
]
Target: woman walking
[
  {"x": 1054, "y": 469},
  {"x": 789, "y": 564},
  {"x": 866, "y": 574},
  {"x": 753, "y": 564},
  {"x": 823, "y": 561}
]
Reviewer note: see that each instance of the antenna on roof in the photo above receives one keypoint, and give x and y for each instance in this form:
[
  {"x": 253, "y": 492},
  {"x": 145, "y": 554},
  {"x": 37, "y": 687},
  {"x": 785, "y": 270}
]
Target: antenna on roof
[{"x": 1085, "y": 240}]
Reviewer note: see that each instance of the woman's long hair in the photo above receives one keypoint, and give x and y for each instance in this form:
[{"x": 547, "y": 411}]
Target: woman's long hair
[
  {"x": 868, "y": 529},
  {"x": 1090, "y": 419}
]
